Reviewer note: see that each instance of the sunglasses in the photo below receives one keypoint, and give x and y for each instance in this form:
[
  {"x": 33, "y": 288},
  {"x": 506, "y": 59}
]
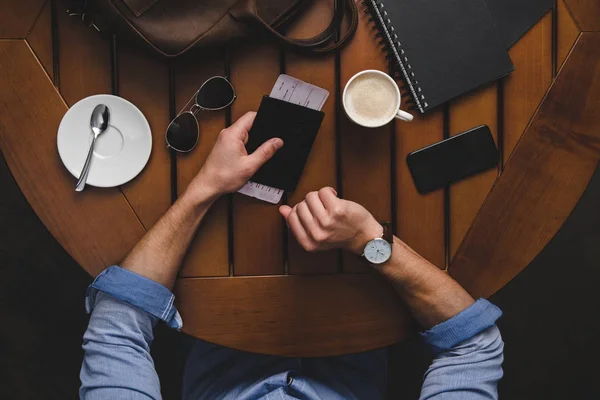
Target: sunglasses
[{"x": 183, "y": 132}]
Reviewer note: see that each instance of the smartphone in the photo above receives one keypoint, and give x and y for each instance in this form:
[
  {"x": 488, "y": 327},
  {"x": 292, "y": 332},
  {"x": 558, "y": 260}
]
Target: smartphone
[{"x": 450, "y": 160}]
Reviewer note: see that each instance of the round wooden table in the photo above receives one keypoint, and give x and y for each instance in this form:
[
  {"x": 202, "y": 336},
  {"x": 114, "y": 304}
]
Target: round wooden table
[{"x": 245, "y": 282}]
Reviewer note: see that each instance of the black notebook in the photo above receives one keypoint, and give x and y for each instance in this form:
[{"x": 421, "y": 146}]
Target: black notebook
[
  {"x": 514, "y": 17},
  {"x": 444, "y": 48}
]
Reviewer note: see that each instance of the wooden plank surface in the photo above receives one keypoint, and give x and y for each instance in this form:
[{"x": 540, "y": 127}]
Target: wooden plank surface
[
  {"x": 567, "y": 34},
  {"x": 547, "y": 174},
  {"x": 550, "y": 169},
  {"x": 83, "y": 223},
  {"x": 40, "y": 38},
  {"x": 586, "y": 13},
  {"x": 209, "y": 251},
  {"x": 257, "y": 226},
  {"x": 320, "y": 169},
  {"x": 467, "y": 196},
  {"x": 275, "y": 315},
  {"x": 85, "y": 69},
  {"x": 84, "y": 59},
  {"x": 419, "y": 218},
  {"x": 144, "y": 81},
  {"x": 17, "y": 17},
  {"x": 527, "y": 85},
  {"x": 365, "y": 152}
]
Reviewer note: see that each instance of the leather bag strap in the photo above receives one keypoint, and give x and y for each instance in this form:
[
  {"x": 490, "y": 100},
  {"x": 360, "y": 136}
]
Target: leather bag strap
[{"x": 247, "y": 11}]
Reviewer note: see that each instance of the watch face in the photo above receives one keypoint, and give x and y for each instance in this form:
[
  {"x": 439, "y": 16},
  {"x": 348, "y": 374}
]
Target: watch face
[{"x": 378, "y": 251}]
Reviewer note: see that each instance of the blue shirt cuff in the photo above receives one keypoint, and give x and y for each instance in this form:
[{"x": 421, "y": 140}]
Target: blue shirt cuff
[
  {"x": 464, "y": 325},
  {"x": 137, "y": 291}
]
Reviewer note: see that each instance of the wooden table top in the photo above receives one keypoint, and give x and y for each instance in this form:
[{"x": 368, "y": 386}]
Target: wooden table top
[{"x": 245, "y": 282}]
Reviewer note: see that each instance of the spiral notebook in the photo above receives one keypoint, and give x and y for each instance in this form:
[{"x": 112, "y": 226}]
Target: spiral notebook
[
  {"x": 512, "y": 18},
  {"x": 443, "y": 48}
]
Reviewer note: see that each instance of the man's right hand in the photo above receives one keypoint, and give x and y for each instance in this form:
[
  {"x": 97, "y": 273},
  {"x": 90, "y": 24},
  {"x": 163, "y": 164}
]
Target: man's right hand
[
  {"x": 323, "y": 221},
  {"x": 228, "y": 166}
]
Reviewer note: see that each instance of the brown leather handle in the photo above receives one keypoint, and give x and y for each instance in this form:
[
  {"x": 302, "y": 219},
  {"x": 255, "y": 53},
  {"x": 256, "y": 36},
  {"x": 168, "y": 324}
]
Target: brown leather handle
[{"x": 246, "y": 10}]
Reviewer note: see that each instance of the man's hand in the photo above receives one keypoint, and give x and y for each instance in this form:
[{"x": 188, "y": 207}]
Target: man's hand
[
  {"x": 323, "y": 221},
  {"x": 228, "y": 166}
]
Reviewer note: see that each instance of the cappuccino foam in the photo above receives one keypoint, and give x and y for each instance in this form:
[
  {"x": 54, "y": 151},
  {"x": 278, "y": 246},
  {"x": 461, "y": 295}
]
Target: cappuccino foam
[{"x": 371, "y": 100}]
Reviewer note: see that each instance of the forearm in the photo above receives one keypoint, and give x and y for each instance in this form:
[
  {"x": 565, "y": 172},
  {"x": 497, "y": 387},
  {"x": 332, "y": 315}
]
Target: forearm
[
  {"x": 460, "y": 331},
  {"x": 454, "y": 322},
  {"x": 159, "y": 255},
  {"x": 430, "y": 294},
  {"x": 228, "y": 167},
  {"x": 127, "y": 301}
]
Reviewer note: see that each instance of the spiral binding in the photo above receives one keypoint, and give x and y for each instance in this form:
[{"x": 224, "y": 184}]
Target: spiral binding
[{"x": 390, "y": 42}]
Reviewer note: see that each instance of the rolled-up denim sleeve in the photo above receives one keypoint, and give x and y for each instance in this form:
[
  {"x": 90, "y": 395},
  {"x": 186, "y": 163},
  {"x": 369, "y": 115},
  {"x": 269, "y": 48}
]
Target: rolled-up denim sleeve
[
  {"x": 124, "y": 308},
  {"x": 469, "y": 355}
]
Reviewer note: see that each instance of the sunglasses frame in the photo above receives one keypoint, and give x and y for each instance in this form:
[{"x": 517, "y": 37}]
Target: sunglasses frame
[{"x": 195, "y": 108}]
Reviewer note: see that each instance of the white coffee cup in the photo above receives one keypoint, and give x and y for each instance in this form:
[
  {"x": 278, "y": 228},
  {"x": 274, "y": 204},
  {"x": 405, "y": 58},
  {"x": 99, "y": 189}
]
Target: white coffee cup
[{"x": 372, "y": 99}]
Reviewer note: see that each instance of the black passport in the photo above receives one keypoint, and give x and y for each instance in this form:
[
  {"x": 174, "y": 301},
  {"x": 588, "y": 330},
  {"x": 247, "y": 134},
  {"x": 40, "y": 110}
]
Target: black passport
[
  {"x": 297, "y": 126},
  {"x": 444, "y": 48}
]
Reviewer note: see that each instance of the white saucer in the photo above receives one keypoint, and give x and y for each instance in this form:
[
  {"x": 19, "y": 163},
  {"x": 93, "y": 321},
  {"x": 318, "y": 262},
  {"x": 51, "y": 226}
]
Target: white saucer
[{"x": 121, "y": 152}]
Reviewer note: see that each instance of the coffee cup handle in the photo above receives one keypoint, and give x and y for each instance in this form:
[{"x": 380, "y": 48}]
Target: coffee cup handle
[{"x": 404, "y": 116}]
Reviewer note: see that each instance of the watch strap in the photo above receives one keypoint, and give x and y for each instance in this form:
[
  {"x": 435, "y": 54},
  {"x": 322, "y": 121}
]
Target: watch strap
[{"x": 388, "y": 234}]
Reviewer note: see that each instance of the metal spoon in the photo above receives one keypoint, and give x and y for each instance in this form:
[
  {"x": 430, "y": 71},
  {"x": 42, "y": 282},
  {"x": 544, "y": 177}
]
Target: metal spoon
[{"x": 98, "y": 123}]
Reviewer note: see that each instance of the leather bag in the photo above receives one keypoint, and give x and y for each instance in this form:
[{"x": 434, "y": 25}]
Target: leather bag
[{"x": 174, "y": 27}]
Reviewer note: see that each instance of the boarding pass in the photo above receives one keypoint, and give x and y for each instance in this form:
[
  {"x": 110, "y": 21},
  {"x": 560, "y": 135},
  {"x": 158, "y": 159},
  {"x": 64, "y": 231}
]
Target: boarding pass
[{"x": 294, "y": 91}]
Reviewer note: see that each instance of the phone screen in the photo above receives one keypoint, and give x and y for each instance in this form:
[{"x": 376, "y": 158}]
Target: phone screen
[{"x": 450, "y": 160}]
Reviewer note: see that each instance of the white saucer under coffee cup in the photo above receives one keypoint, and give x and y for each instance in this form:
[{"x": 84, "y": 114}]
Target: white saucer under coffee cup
[{"x": 372, "y": 99}]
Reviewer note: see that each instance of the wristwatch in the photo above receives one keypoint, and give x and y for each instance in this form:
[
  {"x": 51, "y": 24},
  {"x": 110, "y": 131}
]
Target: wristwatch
[{"x": 379, "y": 250}]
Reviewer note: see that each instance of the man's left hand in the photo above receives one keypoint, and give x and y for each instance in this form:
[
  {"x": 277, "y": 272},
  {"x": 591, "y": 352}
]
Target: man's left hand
[{"x": 323, "y": 221}]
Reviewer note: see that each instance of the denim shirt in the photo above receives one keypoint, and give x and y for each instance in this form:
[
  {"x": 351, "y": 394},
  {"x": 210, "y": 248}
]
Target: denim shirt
[{"x": 125, "y": 307}]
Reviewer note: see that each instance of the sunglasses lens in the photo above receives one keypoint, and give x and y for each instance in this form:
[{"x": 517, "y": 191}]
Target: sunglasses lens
[
  {"x": 216, "y": 93},
  {"x": 182, "y": 133}
]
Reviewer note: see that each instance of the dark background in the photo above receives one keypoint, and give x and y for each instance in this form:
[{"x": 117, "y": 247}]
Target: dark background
[{"x": 551, "y": 323}]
